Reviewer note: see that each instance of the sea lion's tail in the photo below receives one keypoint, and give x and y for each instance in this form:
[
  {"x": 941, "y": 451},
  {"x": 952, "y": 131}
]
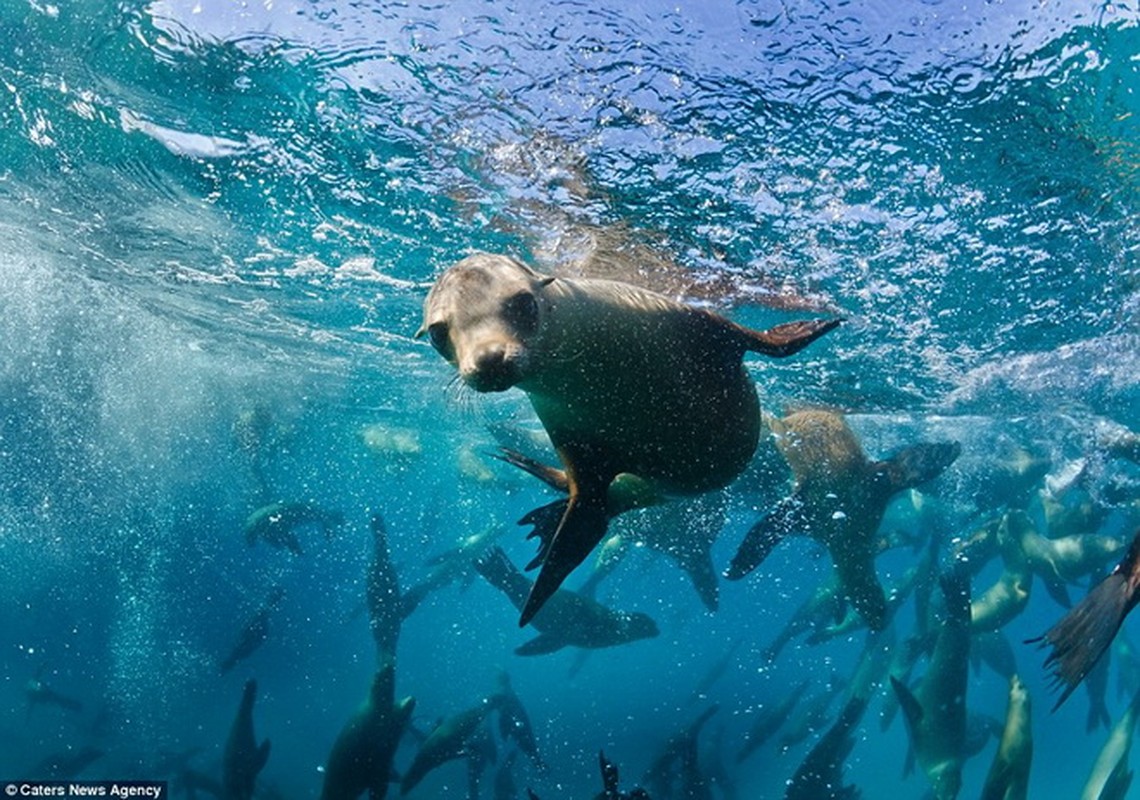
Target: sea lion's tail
[{"x": 1081, "y": 637}]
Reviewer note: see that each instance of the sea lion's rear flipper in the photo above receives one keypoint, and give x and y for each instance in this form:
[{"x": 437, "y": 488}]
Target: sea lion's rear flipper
[
  {"x": 551, "y": 476},
  {"x": 856, "y": 570},
  {"x": 565, "y": 543},
  {"x": 786, "y": 339},
  {"x": 787, "y": 517},
  {"x": 540, "y": 645},
  {"x": 919, "y": 463},
  {"x": 1082, "y": 635}
]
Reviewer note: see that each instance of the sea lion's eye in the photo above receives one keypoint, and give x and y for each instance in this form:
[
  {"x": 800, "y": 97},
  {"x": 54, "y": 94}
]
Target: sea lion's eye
[
  {"x": 521, "y": 311},
  {"x": 438, "y": 333}
]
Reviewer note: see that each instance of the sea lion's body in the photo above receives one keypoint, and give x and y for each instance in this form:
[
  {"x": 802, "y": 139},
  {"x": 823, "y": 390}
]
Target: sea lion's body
[
  {"x": 569, "y": 619},
  {"x": 1008, "y": 778},
  {"x": 642, "y": 397},
  {"x": 361, "y": 757},
  {"x": 936, "y": 712},
  {"x": 243, "y": 758},
  {"x": 451, "y": 739}
]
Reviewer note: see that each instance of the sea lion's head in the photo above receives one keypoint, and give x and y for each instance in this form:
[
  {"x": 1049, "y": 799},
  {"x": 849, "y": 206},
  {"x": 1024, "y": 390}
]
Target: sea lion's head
[{"x": 481, "y": 315}]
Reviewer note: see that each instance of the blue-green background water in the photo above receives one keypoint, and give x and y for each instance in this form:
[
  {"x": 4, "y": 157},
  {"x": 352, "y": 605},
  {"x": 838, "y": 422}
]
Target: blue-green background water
[{"x": 211, "y": 207}]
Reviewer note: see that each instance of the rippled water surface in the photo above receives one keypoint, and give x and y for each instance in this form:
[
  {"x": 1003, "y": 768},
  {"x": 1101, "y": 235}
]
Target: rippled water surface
[{"x": 218, "y": 223}]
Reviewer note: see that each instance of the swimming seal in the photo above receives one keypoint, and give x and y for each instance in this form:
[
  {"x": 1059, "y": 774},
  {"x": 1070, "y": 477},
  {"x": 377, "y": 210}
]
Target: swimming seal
[
  {"x": 936, "y": 711},
  {"x": 840, "y": 497},
  {"x": 642, "y": 397},
  {"x": 1008, "y": 778},
  {"x": 243, "y": 758},
  {"x": 361, "y": 757}
]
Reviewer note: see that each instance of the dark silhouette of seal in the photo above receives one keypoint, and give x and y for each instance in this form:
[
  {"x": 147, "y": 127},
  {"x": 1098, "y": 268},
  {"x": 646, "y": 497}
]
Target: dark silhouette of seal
[
  {"x": 361, "y": 756},
  {"x": 568, "y": 619},
  {"x": 243, "y": 758},
  {"x": 642, "y": 397}
]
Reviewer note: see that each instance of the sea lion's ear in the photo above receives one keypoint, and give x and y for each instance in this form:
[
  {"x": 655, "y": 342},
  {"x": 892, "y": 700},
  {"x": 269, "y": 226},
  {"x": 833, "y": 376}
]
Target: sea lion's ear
[
  {"x": 420, "y": 333},
  {"x": 549, "y": 279}
]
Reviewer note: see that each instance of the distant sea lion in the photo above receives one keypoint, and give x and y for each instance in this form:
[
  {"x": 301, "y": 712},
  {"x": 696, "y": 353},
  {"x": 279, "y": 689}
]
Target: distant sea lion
[
  {"x": 676, "y": 771},
  {"x": 361, "y": 757},
  {"x": 276, "y": 524},
  {"x": 936, "y": 713},
  {"x": 243, "y": 758},
  {"x": 768, "y": 721},
  {"x": 66, "y": 764},
  {"x": 254, "y": 632},
  {"x": 450, "y": 740},
  {"x": 820, "y": 775},
  {"x": 642, "y": 397},
  {"x": 569, "y": 619},
  {"x": 1007, "y": 597},
  {"x": 382, "y": 594},
  {"x": 39, "y": 693},
  {"x": 1008, "y": 778},
  {"x": 839, "y": 499},
  {"x": 1111, "y": 776}
]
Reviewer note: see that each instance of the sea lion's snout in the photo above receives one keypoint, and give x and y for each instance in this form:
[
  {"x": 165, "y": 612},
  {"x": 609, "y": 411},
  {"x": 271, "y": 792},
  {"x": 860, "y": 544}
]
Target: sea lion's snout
[{"x": 495, "y": 367}]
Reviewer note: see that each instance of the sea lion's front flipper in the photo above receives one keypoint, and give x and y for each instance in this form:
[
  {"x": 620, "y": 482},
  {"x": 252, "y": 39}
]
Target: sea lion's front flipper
[
  {"x": 551, "y": 476},
  {"x": 919, "y": 463},
  {"x": 786, "y": 339},
  {"x": 540, "y": 645},
  {"x": 566, "y": 542},
  {"x": 1081, "y": 637},
  {"x": 787, "y": 517},
  {"x": 856, "y": 570}
]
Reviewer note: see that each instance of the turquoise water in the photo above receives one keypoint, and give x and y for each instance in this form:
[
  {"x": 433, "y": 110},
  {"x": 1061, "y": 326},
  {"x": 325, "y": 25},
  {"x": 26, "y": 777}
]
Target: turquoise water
[{"x": 213, "y": 209}]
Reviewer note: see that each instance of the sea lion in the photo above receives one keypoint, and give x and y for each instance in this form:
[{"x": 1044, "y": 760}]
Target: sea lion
[
  {"x": 454, "y": 565},
  {"x": 254, "y": 632},
  {"x": 676, "y": 771},
  {"x": 67, "y": 764},
  {"x": 39, "y": 693},
  {"x": 243, "y": 757},
  {"x": 642, "y": 397},
  {"x": 568, "y": 619},
  {"x": 1065, "y": 559},
  {"x": 1111, "y": 776},
  {"x": 936, "y": 713},
  {"x": 382, "y": 594},
  {"x": 276, "y": 524},
  {"x": 449, "y": 740},
  {"x": 768, "y": 721},
  {"x": 839, "y": 499},
  {"x": 1008, "y": 778},
  {"x": 610, "y": 778},
  {"x": 1081, "y": 637},
  {"x": 820, "y": 775},
  {"x": 514, "y": 722},
  {"x": 1007, "y": 597},
  {"x": 361, "y": 756}
]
